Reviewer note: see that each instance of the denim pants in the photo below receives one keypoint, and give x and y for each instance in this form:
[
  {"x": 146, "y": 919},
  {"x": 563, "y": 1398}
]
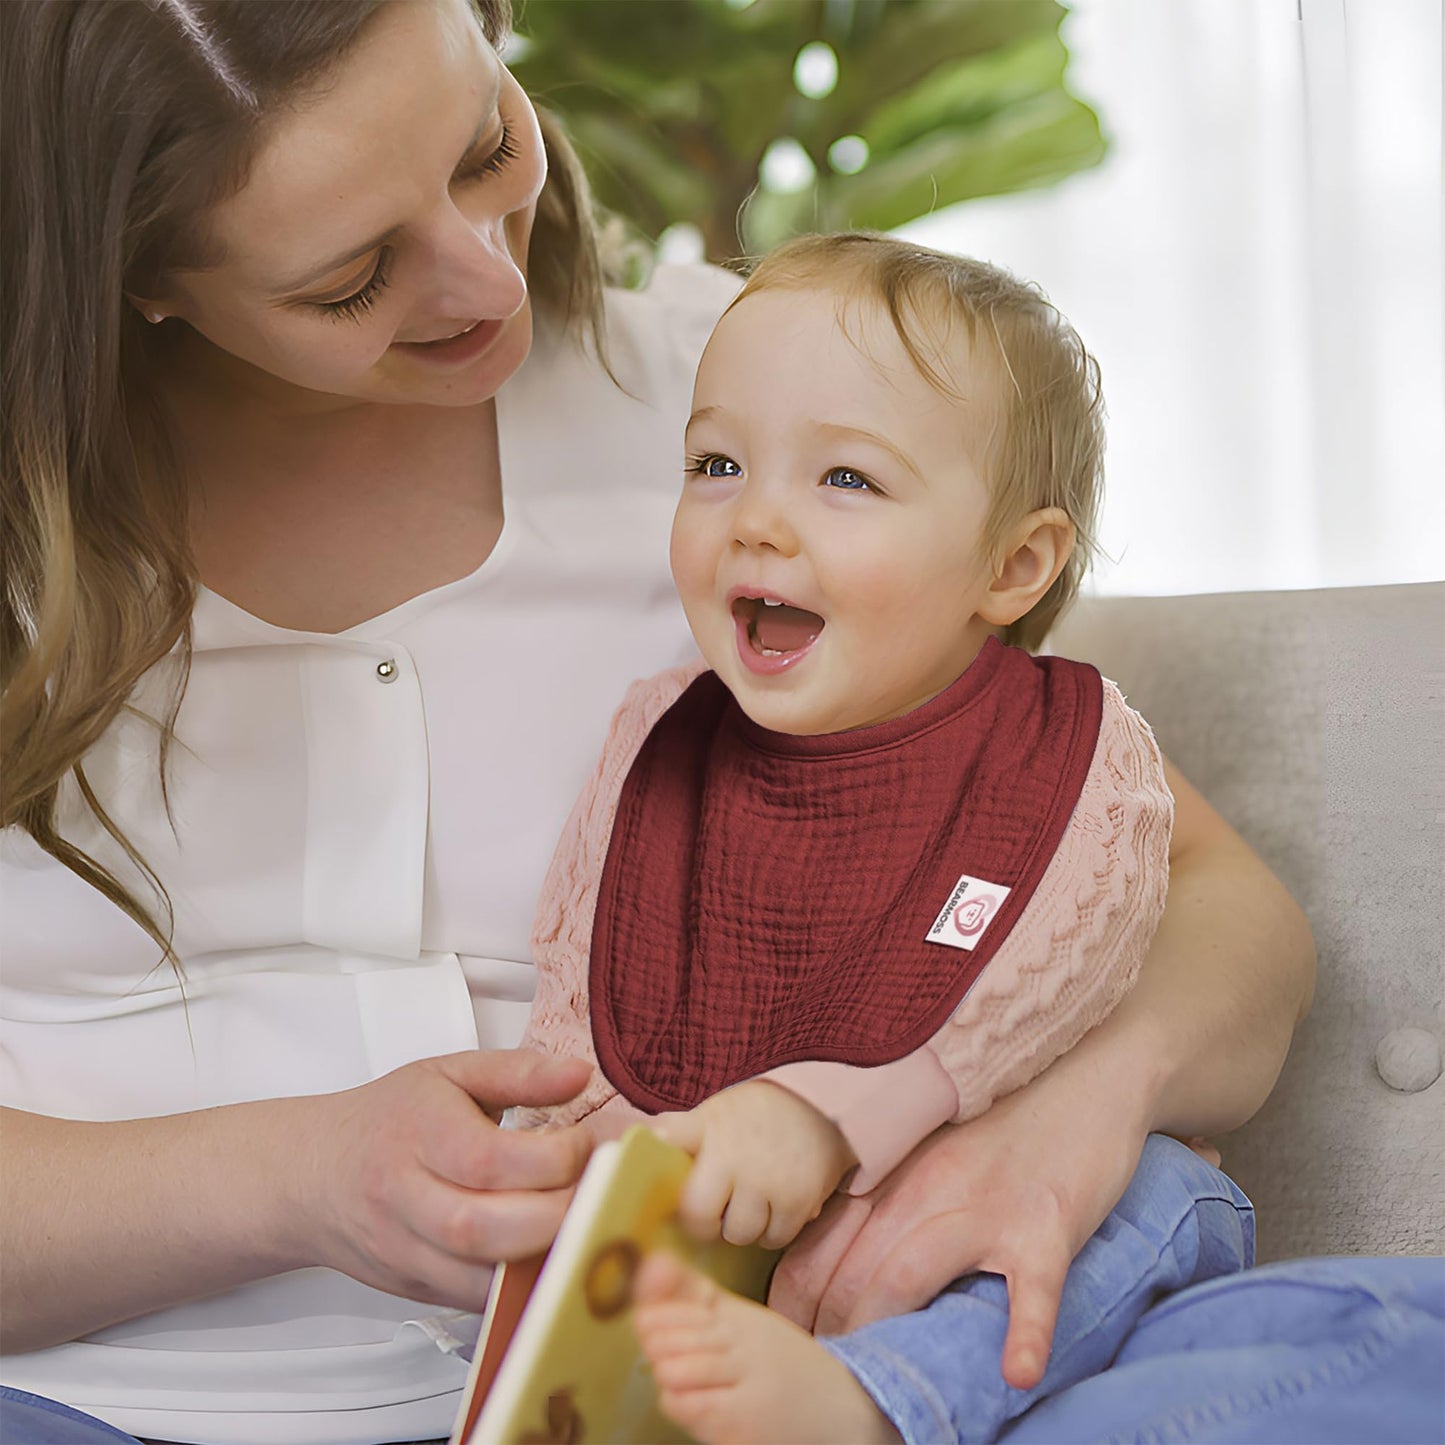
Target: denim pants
[{"x": 1165, "y": 1335}]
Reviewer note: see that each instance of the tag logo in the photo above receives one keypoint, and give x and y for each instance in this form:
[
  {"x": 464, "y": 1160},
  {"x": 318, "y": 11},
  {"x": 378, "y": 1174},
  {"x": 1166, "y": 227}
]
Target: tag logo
[{"x": 964, "y": 919}]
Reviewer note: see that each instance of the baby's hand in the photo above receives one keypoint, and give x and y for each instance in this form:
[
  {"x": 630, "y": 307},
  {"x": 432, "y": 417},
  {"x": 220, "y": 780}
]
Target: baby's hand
[{"x": 766, "y": 1162}]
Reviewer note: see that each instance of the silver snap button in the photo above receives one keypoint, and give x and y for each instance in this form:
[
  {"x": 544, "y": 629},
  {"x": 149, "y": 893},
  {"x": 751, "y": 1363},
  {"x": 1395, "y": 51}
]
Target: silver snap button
[{"x": 386, "y": 671}]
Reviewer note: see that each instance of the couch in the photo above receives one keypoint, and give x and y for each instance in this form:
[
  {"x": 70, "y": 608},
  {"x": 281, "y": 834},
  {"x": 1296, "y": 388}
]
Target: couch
[{"x": 1315, "y": 722}]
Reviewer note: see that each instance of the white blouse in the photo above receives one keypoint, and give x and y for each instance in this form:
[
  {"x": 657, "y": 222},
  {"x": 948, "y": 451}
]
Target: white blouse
[{"x": 359, "y": 825}]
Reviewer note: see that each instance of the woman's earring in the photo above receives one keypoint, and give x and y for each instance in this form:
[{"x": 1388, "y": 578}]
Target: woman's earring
[{"x": 154, "y": 317}]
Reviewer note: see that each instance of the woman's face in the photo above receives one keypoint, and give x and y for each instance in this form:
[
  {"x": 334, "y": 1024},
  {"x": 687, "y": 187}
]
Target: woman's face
[{"x": 378, "y": 248}]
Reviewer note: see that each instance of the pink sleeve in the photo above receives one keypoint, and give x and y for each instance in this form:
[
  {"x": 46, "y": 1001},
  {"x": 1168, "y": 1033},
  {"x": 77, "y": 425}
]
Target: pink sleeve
[
  {"x": 1078, "y": 947},
  {"x": 882, "y": 1112}
]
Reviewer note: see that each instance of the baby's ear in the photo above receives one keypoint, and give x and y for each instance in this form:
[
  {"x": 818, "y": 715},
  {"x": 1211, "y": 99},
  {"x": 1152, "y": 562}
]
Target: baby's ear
[{"x": 1026, "y": 564}]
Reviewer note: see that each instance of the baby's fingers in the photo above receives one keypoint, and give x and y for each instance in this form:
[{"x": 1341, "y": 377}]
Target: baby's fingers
[
  {"x": 705, "y": 1195},
  {"x": 685, "y": 1129},
  {"x": 746, "y": 1218}
]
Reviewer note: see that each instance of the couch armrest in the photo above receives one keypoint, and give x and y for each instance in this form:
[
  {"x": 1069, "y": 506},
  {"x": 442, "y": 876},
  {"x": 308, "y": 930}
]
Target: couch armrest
[{"x": 1315, "y": 722}]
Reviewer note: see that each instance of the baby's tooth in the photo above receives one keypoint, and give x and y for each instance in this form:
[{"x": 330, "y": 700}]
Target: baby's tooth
[{"x": 770, "y": 602}]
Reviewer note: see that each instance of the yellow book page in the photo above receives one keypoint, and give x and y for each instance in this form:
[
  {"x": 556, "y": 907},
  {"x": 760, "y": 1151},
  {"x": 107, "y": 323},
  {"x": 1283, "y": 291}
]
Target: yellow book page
[{"x": 574, "y": 1371}]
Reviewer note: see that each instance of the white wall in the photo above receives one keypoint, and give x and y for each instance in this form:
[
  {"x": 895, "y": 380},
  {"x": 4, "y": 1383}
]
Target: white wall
[{"x": 1257, "y": 267}]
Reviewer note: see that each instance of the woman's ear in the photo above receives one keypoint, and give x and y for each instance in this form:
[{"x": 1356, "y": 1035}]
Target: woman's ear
[
  {"x": 153, "y": 308},
  {"x": 153, "y": 311},
  {"x": 1031, "y": 557}
]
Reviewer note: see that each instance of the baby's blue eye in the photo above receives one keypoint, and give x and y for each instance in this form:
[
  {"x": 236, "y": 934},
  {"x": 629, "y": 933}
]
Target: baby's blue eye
[
  {"x": 715, "y": 466},
  {"x": 847, "y": 480}
]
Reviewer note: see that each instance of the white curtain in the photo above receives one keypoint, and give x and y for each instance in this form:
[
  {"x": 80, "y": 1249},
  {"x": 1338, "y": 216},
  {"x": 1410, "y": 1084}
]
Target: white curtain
[{"x": 1257, "y": 266}]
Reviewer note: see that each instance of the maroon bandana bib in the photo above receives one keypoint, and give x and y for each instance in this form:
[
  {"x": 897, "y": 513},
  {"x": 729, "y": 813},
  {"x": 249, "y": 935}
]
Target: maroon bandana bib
[{"x": 769, "y": 898}]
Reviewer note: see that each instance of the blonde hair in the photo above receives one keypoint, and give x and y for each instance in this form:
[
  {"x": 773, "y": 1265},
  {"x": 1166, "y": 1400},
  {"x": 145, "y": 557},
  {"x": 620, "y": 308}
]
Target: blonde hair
[
  {"x": 1046, "y": 448},
  {"x": 123, "y": 121}
]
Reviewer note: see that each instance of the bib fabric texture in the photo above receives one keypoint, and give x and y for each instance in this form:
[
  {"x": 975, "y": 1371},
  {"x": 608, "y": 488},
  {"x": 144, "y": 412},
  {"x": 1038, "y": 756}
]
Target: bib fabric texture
[{"x": 768, "y": 898}]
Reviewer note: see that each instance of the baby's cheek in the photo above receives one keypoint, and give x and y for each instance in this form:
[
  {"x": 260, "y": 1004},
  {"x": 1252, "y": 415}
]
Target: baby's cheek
[
  {"x": 693, "y": 553},
  {"x": 873, "y": 588}
]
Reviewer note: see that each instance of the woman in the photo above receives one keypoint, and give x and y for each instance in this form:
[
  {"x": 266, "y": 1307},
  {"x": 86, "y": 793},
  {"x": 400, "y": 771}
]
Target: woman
[{"x": 271, "y": 275}]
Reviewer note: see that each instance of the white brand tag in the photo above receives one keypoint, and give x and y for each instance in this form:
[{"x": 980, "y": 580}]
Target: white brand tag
[{"x": 971, "y": 907}]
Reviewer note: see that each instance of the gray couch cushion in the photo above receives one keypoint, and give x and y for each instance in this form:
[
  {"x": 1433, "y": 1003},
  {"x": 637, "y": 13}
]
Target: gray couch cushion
[{"x": 1314, "y": 722}]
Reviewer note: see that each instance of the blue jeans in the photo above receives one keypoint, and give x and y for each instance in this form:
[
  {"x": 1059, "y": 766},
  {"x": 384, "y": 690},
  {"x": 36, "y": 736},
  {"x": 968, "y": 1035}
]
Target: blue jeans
[
  {"x": 1161, "y": 1338},
  {"x": 27, "y": 1419}
]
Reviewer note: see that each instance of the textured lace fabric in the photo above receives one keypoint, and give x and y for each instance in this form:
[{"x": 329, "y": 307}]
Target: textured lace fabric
[{"x": 1068, "y": 961}]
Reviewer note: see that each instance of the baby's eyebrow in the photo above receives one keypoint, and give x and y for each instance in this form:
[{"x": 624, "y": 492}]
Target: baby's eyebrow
[
  {"x": 703, "y": 413},
  {"x": 858, "y": 433}
]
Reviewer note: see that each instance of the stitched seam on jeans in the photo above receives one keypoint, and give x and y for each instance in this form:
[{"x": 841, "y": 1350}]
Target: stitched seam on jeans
[
  {"x": 1348, "y": 1365},
  {"x": 1172, "y": 1304},
  {"x": 1160, "y": 1299}
]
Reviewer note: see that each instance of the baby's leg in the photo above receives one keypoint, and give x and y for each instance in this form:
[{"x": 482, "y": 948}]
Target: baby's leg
[
  {"x": 937, "y": 1373},
  {"x": 730, "y": 1371}
]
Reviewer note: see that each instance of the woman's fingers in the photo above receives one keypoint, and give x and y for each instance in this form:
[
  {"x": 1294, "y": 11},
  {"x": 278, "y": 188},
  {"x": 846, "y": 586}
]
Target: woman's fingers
[
  {"x": 410, "y": 1163},
  {"x": 880, "y": 1267},
  {"x": 464, "y": 1148},
  {"x": 1034, "y": 1292},
  {"x": 459, "y": 1142},
  {"x": 480, "y": 1226},
  {"x": 905, "y": 1274},
  {"x": 423, "y": 1272},
  {"x": 499, "y": 1078},
  {"x": 805, "y": 1273}
]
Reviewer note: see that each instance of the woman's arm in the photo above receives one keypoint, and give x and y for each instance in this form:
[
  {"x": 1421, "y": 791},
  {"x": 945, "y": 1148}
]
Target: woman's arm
[
  {"x": 1194, "y": 1049},
  {"x": 1230, "y": 974},
  {"x": 404, "y": 1183}
]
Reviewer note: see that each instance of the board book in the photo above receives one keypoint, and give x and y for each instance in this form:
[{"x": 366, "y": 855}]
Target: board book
[{"x": 557, "y": 1359}]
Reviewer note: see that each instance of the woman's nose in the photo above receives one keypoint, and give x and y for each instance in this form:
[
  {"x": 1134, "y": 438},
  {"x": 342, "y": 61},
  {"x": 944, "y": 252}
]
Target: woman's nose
[
  {"x": 762, "y": 519},
  {"x": 476, "y": 274}
]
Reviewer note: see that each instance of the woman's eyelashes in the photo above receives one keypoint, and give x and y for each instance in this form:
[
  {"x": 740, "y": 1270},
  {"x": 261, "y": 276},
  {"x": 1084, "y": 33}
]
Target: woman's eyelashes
[
  {"x": 498, "y": 158},
  {"x": 353, "y": 307}
]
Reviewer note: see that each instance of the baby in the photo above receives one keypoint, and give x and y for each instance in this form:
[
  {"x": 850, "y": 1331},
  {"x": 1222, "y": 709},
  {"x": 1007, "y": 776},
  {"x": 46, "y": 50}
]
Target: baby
[{"x": 879, "y": 865}]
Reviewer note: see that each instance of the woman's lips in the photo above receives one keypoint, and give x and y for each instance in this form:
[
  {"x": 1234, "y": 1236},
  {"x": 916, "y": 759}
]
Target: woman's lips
[{"x": 455, "y": 350}]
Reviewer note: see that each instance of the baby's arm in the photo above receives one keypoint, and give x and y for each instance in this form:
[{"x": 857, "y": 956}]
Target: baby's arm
[{"x": 766, "y": 1162}]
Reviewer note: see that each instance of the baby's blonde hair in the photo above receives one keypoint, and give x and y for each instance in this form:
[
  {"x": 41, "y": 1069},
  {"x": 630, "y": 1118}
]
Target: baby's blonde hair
[{"x": 1046, "y": 445}]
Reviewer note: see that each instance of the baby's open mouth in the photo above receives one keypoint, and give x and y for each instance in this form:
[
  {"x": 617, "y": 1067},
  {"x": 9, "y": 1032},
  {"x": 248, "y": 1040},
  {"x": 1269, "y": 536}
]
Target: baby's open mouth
[{"x": 775, "y": 629}]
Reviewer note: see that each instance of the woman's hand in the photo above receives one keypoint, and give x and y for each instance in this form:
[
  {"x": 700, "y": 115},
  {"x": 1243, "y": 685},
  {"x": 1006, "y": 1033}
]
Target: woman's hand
[
  {"x": 405, "y": 1183},
  {"x": 413, "y": 1188},
  {"x": 766, "y": 1161},
  {"x": 1015, "y": 1192}
]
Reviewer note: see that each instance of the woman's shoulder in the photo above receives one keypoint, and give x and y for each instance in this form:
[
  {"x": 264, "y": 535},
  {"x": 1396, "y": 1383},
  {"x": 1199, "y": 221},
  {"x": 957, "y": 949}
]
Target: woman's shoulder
[
  {"x": 655, "y": 336},
  {"x": 631, "y": 412}
]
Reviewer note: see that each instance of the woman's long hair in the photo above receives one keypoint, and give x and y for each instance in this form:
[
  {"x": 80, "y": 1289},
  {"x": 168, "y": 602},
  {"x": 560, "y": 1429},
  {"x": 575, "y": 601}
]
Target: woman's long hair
[{"x": 121, "y": 123}]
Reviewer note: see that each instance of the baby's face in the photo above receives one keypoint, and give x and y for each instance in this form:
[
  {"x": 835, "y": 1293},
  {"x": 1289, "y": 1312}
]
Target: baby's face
[{"x": 833, "y": 479}]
